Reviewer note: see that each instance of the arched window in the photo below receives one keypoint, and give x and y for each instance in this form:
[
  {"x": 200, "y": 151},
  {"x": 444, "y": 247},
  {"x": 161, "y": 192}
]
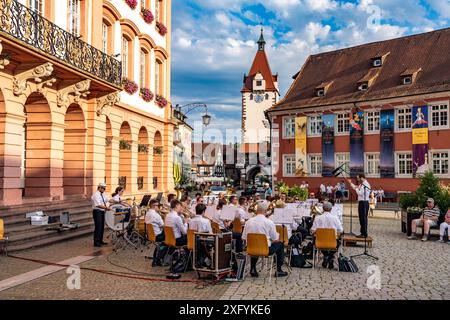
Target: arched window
[
  {"x": 251, "y": 96},
  {"x": 158, "y": 77},
  {"x": 36, "y": 6},
  {"x": 267, "y": 96},
  {"x": 143, "y": 71},
  {"x": 159, "y": 11},
  {"x": 124, "y": 55},
  {"x": 105, "y": 36},
  {"x": 74, "y": 17}
]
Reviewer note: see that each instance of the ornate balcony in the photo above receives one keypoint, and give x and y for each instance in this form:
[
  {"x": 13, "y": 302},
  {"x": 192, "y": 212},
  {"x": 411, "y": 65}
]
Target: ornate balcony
[{"x": 28, "y": 28}]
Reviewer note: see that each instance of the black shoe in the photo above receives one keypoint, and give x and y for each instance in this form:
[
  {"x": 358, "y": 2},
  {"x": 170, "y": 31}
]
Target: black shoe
[
  {"x": 331, "y": 264},
  {"x": 281, "y": 273},
  {"x": 324, "y": 263},
  {"x": 254, "y": 273}
]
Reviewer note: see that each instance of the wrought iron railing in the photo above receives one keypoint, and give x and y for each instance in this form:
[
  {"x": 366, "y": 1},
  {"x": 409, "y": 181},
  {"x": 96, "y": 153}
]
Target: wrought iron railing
[{"x": 34, "y": 30}]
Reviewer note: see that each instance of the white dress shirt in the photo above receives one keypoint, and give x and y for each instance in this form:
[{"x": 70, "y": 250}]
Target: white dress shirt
[
  {"x": 323, "y": 189},
  {"x": 174, "y": 220},
  {"x": 362, "y": 192},
  {"x": 152, "y": 217},
  {"x": 260, "y": 224},
  {"x": 328, "y": 221},
  {"x": 200, "y": 224},
  {"x": 217, "y": 219},
  {"x": 116, "y": 198},
  {"x": 99, "y": 199},
  {"x": 241, "y": 214}
]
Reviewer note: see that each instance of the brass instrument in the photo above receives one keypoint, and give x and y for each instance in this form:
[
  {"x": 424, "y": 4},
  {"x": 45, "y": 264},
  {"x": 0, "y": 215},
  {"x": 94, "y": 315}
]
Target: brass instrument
[
  {"x": 315, "y": 211},
  {"x": 252, "y": 207}
]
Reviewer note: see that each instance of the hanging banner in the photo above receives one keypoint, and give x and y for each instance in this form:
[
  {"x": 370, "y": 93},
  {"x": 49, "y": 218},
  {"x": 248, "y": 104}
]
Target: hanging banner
[
  {"x": 327, "y": 145},
  {"x": 387, "y": 159},
  {"x": 420, "y": 140},
  {"x": 301, "y": 167},
  {"x": 356, "y": 143}
]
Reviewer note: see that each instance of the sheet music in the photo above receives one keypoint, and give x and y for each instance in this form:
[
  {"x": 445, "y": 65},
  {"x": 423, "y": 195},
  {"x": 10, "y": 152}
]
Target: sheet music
[
  {"x": 283, "y": 216},
  {"x": 228, "y": 213},
  {"x": 210, "y": 211}
]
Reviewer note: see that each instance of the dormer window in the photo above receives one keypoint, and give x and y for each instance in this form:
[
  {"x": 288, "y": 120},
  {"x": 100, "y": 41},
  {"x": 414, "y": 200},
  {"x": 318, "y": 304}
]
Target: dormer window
[
  {"x": 322, "y": 89},
  {"x": 320, "y": 92},
  {"x": 377, "y": 62},
  {"x": 363, "y": 86},
  {"x": 379, "y": 59},
  {"x": 407, "y": 80},
  {"x": 409, "y": 76},
  {"x": 258, "y": 83}
]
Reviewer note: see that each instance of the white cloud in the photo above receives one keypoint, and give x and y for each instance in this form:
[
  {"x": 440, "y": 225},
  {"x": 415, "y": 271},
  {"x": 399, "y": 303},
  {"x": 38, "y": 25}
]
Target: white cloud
[{"x": 442, "y": 7}]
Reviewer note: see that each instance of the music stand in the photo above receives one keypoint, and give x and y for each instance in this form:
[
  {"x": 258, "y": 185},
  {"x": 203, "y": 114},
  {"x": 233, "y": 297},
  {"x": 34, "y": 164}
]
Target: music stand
[
  {"x": 340, "y": 172},
  {"x": 159, "y": 197},
  {"x": 145, "y": 200}
]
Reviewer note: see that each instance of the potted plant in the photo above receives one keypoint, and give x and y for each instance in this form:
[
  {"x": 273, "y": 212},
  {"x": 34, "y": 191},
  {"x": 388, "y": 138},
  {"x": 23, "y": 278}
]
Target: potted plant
[
  {"x": 162, "y": 29},
  {"x": 161, "y": 101},
  {"x": 147, "y": 15},
  {"x": 146, "y": 94},
  {"x": 124, "y": 145},
  {"x": 131, "y": 3},
  {"x": 142, "y": 148},
  {"x": 108, "y": 141},
  {"x": 158, "y": 150},
  {"x": 130, "y": 86}
]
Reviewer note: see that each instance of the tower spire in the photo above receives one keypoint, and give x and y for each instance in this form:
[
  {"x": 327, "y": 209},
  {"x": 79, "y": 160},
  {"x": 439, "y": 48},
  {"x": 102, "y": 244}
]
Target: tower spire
[{"x": 261, "y": 42}]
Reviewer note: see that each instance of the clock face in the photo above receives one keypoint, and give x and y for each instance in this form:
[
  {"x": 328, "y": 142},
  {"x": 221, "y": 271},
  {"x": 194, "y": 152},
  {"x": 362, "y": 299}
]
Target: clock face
[{"x": 259, "y": 98}]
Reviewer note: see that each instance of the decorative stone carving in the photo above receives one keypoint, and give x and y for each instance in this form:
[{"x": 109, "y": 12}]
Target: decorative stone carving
[
  {"x": 107, "y": 101},
  {"x": 36, "y": 73},
  {"x": 40, "y": 86},
  {"x": 4, "y": 59},
  {"x": 78, "y": 90}
]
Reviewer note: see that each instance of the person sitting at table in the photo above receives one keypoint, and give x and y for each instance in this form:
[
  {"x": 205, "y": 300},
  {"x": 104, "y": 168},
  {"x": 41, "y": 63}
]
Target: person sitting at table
[
  {"x": 174, "y": 221},
  {"x": 428, "y": 219},
  {"x": 116, "y": 197},
  {"x": 199, "y": 223},
  {"x": 260, "y": 224},
  {"x": 445, "y": 225},
  {"x": 329, "y": 221}
]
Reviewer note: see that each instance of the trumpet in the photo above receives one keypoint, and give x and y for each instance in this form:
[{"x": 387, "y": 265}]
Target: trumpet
[{"x": 315, "y": 211}]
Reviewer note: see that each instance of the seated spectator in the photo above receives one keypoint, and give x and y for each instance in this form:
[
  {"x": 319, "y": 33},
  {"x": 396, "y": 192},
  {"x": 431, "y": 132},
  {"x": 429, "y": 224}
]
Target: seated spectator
[
  {"x": 429, "y": 219},
  {"x": 199, "y": 223},
  {"x": 261, "y": 225},
  {"x": 174, "y": 220},
  {"x": 445, "y": 226},
  {"x": 331, "y": 221}
]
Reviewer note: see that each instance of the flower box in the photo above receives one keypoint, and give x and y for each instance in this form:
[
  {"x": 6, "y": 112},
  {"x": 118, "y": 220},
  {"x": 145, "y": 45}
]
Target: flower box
[
  {"x": 162, "y": 29},
  {"x": 147, "y": 15},
  {"x": 132, "y": 3},
  {"x": 158, "y": 150},
  {"x": 147, "y": 95},
  {"x": 124, "y": 145},
  {"x": 161, "y": 101},
  {"x": 130, "y": 86},
  {"x": 143, "y": 148}
]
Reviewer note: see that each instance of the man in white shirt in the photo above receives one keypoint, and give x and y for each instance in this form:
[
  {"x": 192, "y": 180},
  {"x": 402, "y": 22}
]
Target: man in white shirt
[
  {"x": 100, "y": 203},
  {"x": 174, "y": 221},
  {"x": 152, "y": 217},
  {"x": 363, "y": 191},
  {"x": 261, "y": 225},
  {"x": 327, "y": 220},
  {"x": 199, "y": 223},
  {"x": 323, "y": 190}
]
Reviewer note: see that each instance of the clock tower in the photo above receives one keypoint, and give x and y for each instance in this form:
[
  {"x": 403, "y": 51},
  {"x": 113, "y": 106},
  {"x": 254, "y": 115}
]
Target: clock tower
[{"x": 259, "y": 93}]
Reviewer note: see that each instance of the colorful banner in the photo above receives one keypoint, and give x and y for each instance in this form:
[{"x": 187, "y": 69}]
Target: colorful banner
[
  {"x": 327, "y": 145},
  {"x": 387, "y": 159},
  {"x": 301, "y": 167},
  {"x": 356, "y": 143},
  {"x": 420, "y": 139}
]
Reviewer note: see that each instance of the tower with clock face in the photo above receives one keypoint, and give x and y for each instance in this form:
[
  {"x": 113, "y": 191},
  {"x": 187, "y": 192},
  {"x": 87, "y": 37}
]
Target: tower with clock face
[{"x": 259, "y": 93}]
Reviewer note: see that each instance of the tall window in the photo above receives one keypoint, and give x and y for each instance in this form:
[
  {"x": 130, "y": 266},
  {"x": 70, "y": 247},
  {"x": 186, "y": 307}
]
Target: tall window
[
  {"x": 314, "y": 125},
  {"x": 74, "y": 17},
  {"x": 288, "y": 165},
  {"x": 372, "y": 163},
  {"x": 343, "y": 122},
  {"x": 124, "y": 57},
  {"x": 158, "y": 10},
  {"x": 288, "y": 127},
  {"x": 315, "y": 164},
  {"x": 143, "y": 69},
  {"x": 404, "y": 164},
  {"x": 404, "y": 119},
  {"x": 439, "y": 116},
  {"x": 36, "y": 6},
  {"x": 104, "y": 37},
  {"x": 440, "y": 162},
  {"x": 373, "y": 121},
  {"x": 143, "y": 4},
  {"x": 343, "y": 159},
  {"x": 158, "y": 75}
]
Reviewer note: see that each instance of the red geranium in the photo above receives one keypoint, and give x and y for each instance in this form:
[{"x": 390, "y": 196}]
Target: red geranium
[
  {"x": 147, "y": 95},
  {"x": 130, "y": 86},
  {"x": 161, "y": 101},
  {"x": 162, "y": 29},
  {"x": 131, "y": 3},
  {"x": 147, "y": 15}
]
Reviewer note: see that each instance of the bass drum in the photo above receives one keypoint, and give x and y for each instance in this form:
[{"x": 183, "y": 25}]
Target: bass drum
[{"x": 116, "y": 222}]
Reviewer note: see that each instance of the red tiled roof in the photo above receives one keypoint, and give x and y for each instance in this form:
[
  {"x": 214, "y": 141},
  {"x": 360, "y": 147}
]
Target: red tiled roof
[
  {"x": 260, "y": 64},
  {"x": 429, "y": 52}
]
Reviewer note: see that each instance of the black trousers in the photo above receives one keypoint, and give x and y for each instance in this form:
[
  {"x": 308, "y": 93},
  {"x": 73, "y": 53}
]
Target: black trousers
[
  {"x": 278, "y": 249},
  {"x": 99, "y": 225},
  {"x": 160, "y": 237},
  {"x": 239, "y": 244},
  {"x": 363, "y": 212},
  {"x": 329, "y": 254},
  {"x": 181, "y": 241}
]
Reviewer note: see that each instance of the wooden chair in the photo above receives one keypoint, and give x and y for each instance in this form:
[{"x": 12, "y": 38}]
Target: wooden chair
[
  {"x": 257, "y": 247},
  {"x": 237, "y": 225},
  {"x": 325, "y": 239},
  {"x": 151, "y": 236},
  {"x": 3, "y": 237},
  {"x": 284, "y": 237},
  {"x": 215, "y": 227},
  {"x": 190, "y": 245}
]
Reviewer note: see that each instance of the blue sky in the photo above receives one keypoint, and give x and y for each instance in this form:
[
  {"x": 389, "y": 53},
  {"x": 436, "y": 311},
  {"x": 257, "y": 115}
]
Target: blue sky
[{"x": 214, "y": 41}]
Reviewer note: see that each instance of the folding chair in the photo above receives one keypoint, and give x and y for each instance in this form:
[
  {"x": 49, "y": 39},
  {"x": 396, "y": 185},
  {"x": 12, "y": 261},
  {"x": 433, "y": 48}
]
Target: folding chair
[
  {"x": 325, "y": 239},
  {"x": 3, "y": 237},
  {"x": 169, "y": 239},
  {"x": 257, "y": 247},
  {"x": 190, "y": 246},
  {"x": 284, "y": 237},
  {"x": 151, "y": 237}
]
